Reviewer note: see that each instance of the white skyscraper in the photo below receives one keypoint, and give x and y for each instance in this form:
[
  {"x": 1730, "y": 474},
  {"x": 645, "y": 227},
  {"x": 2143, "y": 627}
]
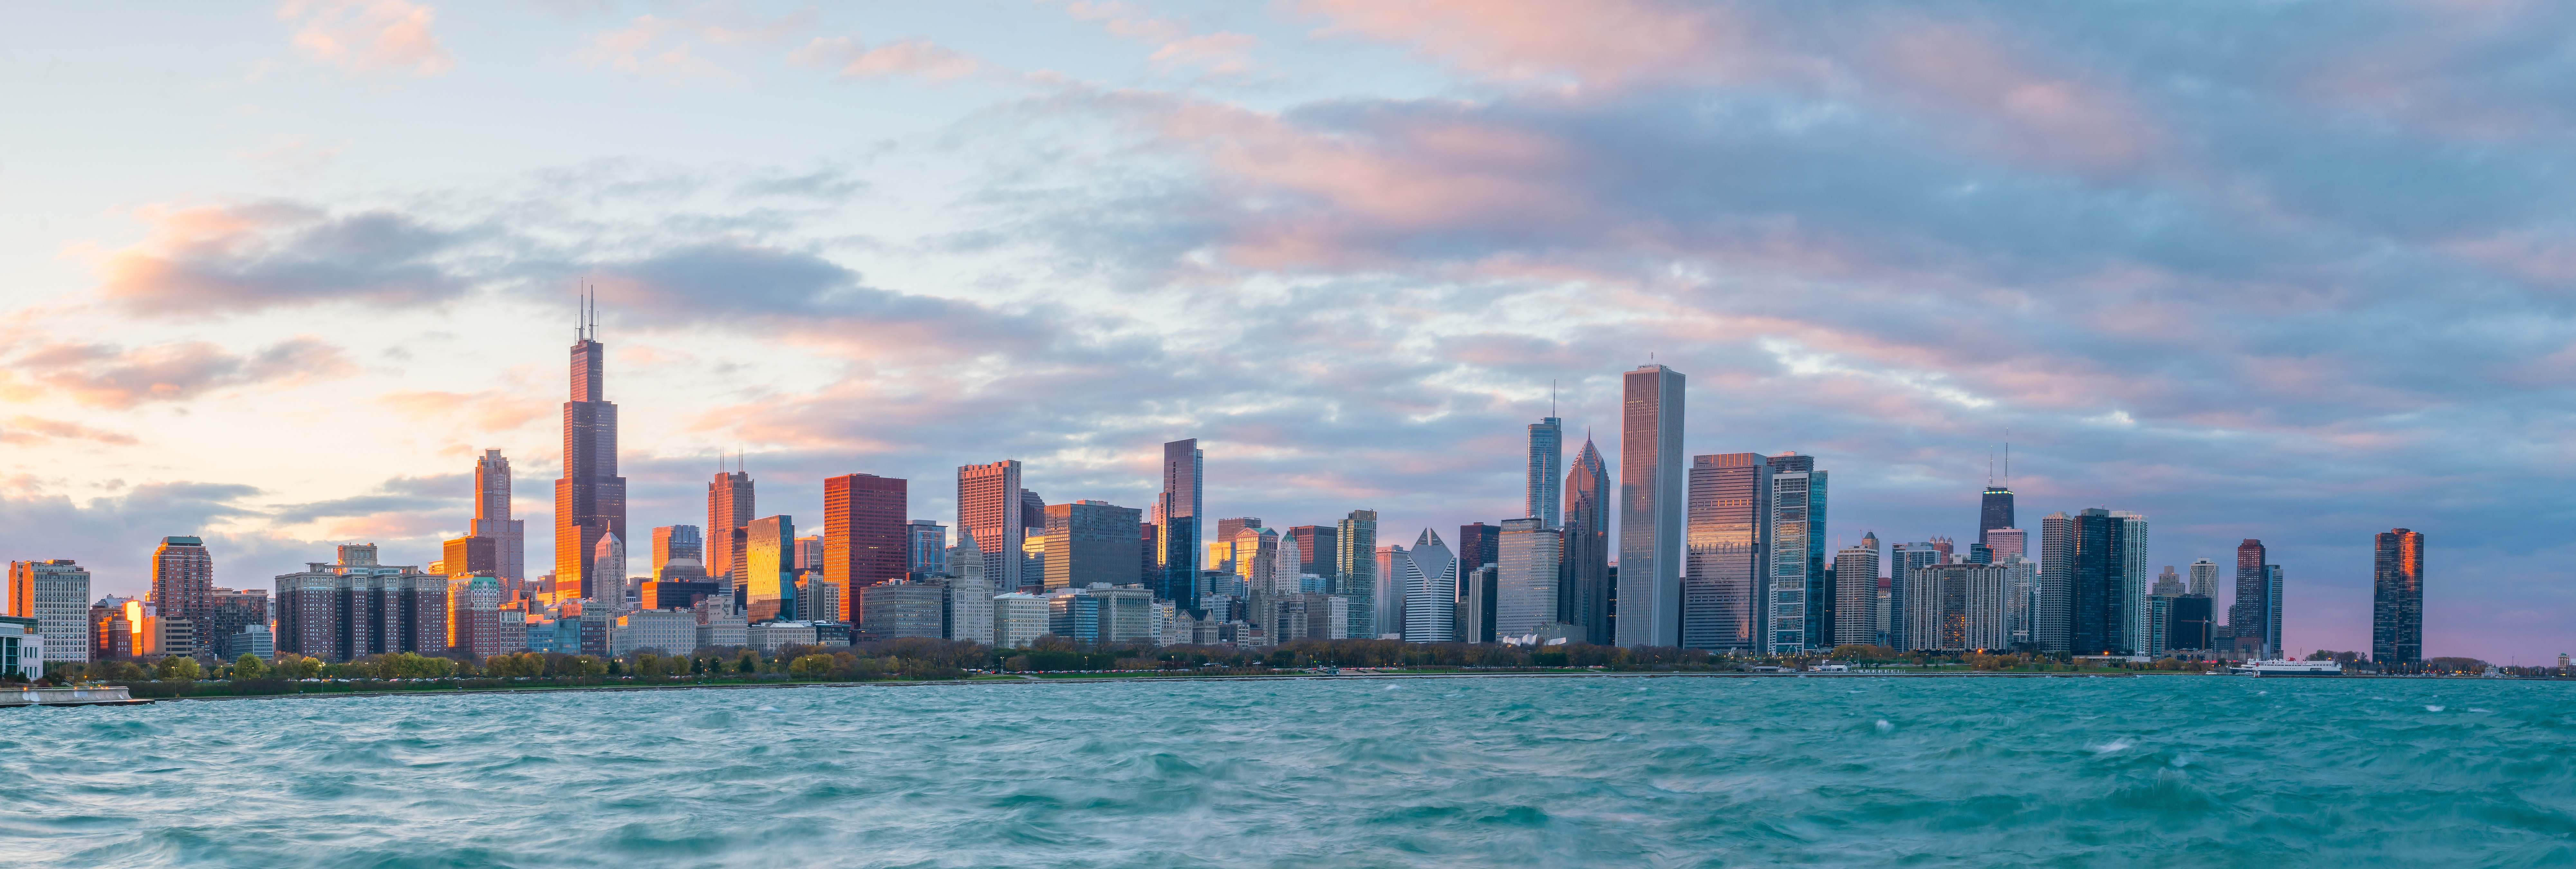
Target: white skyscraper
[
  {"x": 1651, "y": 503},
  {"x": 2204, "y": 578},
  {"x": 2135, "y": 581},
  {"x": 1429, "y": 574},
  {"x": 608, "y": 566}
]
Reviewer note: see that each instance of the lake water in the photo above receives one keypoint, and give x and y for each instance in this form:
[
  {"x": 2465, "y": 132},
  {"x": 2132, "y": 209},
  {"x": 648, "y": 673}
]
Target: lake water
[{"x": 2175, "y": 771}]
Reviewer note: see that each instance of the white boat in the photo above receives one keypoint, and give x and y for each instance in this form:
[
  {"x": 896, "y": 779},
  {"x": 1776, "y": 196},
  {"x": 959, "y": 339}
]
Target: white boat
[{"x": 2287, "y": 667}]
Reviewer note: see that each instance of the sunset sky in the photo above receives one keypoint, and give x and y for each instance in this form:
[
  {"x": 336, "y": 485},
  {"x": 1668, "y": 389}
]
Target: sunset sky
[{"x": 2295, "y": 271}]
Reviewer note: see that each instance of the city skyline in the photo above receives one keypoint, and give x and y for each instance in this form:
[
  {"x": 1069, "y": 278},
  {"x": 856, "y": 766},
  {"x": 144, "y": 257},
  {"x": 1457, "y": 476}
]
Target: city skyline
[{"x": 384, "y": 254}]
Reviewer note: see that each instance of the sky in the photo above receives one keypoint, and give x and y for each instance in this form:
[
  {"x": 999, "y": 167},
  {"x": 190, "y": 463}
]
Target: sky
[{"x": 2297, "y": 271}]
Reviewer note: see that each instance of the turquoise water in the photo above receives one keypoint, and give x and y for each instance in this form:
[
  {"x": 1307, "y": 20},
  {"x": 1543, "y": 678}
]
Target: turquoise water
[{"x": 2182, "y": 771}]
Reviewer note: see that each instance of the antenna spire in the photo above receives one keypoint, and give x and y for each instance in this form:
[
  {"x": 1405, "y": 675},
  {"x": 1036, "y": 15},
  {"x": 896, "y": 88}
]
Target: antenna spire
[
  {"x": 1551, "y": 397},
  {"x": 2008, "y": 457}
]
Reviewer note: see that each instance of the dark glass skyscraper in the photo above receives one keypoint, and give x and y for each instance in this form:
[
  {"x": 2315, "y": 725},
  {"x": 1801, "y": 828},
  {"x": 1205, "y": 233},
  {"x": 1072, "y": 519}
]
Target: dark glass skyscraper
[
  {"x": 1995, "y": 512},
  {"x": 1724, "y": 551},
  {"x": 590, "y": 498},
  {"x": 2250, "y": 622},
  {"x": 2095, "y": 565},
  {"x": 1800, "y": 600},
  {"x": 1176, "y": 513},
  {"x": 2397, "y": 598},
  {"x": 1479, "y": 544}
]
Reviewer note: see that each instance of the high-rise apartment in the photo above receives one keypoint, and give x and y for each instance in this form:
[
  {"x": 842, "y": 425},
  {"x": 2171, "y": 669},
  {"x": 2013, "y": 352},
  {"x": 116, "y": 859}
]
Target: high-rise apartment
[
  {"x": 768, "y": 582},
  {"x": 990, "y": 501},
  {"x": 2248, "y": 618},
  {"x": 1525, "y": 584},
  {"x": 2136, "y": 631},
  {"x": 357, "y": 606},
  {"x": 1355, "y": 560},
  {"x": 2096, "y": 573},
  {"x": 473, "y": 555},
  {"x": 1800, "y": 601},
  {"x": 1957, "y": 608},
  {"x": 1090, "y": 543},
  {"x": 2397, "y": 597},
  {"x": 56, "y": 594},
  {"x": 1429, "y": 573},
  {"x": 1651, "y": 504},
  {"x": 183, "y": 583},
  {"x": 1902, "y": 560},
  {"x": 730, "y": 508},
  {"x": 2054, "y": 618},
  {"x": 590, "y": 498},
  {"x": 1176, "y": 517},
  {"x": 1856, "y": 593},
  {"x": 1546, "y": 469},
  {"x": 2008, "y": 541},
  {"x": 492, "y": 518},
  {"x": 1726, "y": 551},
  {"x": 1587, "y": 584},
  {"x": 864, "y": 541}
]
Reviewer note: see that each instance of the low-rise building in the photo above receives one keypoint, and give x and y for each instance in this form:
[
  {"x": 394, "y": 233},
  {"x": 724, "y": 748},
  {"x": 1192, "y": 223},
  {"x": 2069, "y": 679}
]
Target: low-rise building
[
  {"x": 668, "y": 632},
  {"x": 898, "y": 608},
  {"x": 772, "y": 637},
  {"x": 1018, "y": 620},
  {"x": 56, "y": 594},
  {"x": 22, "y": 647},
  {"x": 252, "y": 640}
]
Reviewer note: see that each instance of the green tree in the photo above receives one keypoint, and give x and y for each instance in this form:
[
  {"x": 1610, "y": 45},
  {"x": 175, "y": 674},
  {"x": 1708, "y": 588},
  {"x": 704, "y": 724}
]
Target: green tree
[
  {"x": 177, "y": 668},
  {"x": 750, "y": 663},
  {"x": 248, "y": 667}
]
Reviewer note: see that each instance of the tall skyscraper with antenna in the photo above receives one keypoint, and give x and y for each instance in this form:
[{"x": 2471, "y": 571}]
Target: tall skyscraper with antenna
[
  {"x": 1546, "y": 467},
  {"x": 492, "y": 518},
  {"x": 731, "y": 503},
  {"x": 1997, "y": 511},
  {"x": 590, "y": 498}
]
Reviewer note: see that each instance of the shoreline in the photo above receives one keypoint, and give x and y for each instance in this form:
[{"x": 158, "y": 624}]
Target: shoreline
[{"x": 1097, "y": 680}]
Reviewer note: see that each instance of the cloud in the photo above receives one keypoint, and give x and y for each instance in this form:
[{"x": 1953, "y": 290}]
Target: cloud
[
  {"x": 106, "y": 375},
  {"x": 1605, "y": 43},
  {"x": 490, "y": 410},
  {"x": 368, "y": 37},
  {"x": 850, "y": 59},
  {"x": 671, "y": 48},
  {"x": 249, "y": 257},
  {"x": 24, "y": 429},
  {"x": 1221, "y": 53}
]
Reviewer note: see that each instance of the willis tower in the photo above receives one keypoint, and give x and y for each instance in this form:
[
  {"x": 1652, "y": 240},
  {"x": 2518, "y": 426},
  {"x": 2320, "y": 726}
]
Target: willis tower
[{"x": 590, "y": 498}]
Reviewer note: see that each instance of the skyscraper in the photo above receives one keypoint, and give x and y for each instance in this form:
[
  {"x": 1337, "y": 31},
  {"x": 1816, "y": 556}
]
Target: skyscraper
[
  {"x": 1429, "y": 573},
  {"x": 2204, "y": 578},
  {"x": 2168, "y": 583},
  {"x": 1651, "y": 504},
  {"x": 1479, "y": 544},
  {"x": 768, "y": 583},
  {"x": 730, "y": 506},
  {"x": 56, "y": 594},
  {"x": 608, "y": 572},
  {"x": 925, "y": 544},
  {"x": 1856, "y": 593},
  {"x": 1176, "y": 514},
  {"x": 1902, "y": 560},
  {"x": 1725, "y": 551},
  {"x": 1525, "y": 593},
  {"x": 2137, "y": 630},
  {"x": 590, "y": 498},
  {"x": 2248, "y": 619},
  {"x": 990, "y": 501},
  {"x": 492, "y": 518},
  {"x": 1587, "y": 585},
  {"x": 864, "y": 541},
  {"x": 2051, "y": 625},
  {"x": 2397, "y": 597},
  {"x": 1996, "y": 512},
  {"x": 2008, "y": 541},
  {"x": 1799, "y": 602},
  {"x": 1546, "y": 468},
  {"x": 1355, "y": 558},
  {"x": 679, "y": 553},
  {"x": 183, "y": 583},
  {"x": 1318, "y": 545},
  {"x": 2094, "y": 565},
  {"x": 1091, "y": 542}
]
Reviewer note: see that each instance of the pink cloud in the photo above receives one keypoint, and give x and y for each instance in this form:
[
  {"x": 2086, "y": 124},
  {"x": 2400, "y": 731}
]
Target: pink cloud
[
  {"x": 368, "y": 37},
  {"x": 253, "y": 256},
  {"x": 2039, "y": 115},
  {"x": 489, "y": 410},
  {"x": 1603, "y": 43},
  {"x": 23, "y": 429},
  {"x": 669, "y": 48},
  {"x": 850, "y": 59},
  {"x": 101, "y": 375}
]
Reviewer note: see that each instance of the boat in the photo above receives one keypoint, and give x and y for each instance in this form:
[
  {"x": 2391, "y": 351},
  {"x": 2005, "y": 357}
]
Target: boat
[{"x": 2287, "y": 667}]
